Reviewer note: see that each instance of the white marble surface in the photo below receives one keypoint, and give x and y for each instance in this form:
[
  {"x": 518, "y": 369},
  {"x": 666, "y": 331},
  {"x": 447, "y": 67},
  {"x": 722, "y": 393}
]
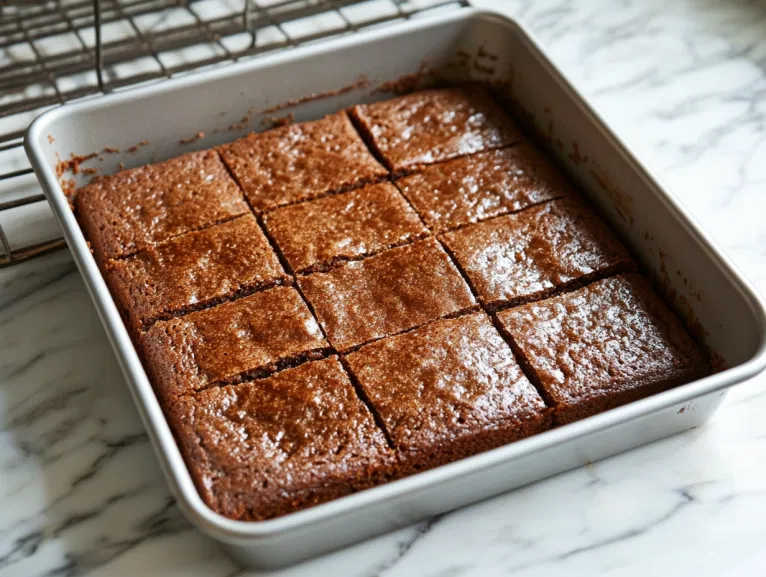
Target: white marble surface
[{"x": 683, "y": 81}]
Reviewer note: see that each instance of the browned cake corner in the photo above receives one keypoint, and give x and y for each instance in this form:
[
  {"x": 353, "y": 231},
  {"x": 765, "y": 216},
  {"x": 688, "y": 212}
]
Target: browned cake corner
[
  {"x": 530, "y": 254},
  {"x": 435, "y": 125},
  {"x": 194, "y": 270},
  {"x": 393, "y": 291},
  {"x": 243, "y": 338},
  {"x": 474, "y": 188},
  {"x": 602, "y": 346},
  {"x": 301, "y": 161},
  {"x": 448, "y": 390},
  {"x": 125, "y": 212},
  {"x": 358, "y": 223},
  {"x": 296, "y": 439}
]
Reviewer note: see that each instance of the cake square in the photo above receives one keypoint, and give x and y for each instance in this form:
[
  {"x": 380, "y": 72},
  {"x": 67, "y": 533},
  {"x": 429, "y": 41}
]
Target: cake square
[
  {"x": 385, "y": 294},
  {"x": 602, "y": 346},
  {"x": 245, "y": 338},
  {"x": 125, "y": 212},
  {"x": 194, "y": 270},
  {"x": 435, "y": 125},
  {"x": 530, "y": 254},
  {"x": 318, "y": 233},
  {"x": 269, "y": 447},
  {"x": 301, "y": 161},
  {"x": 448, "y": 390},
  {"x": 474, "y": 188}
]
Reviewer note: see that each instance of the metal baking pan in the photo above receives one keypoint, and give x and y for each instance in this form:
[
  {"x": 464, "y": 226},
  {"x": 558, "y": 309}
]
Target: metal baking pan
[{"x": 697, "y": 276}]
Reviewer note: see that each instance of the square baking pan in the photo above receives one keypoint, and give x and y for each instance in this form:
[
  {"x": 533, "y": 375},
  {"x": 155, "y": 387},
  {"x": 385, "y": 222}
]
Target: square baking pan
[{"x": 694, "y": 274}]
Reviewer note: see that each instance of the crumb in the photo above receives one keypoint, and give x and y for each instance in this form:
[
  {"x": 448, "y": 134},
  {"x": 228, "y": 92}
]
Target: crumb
[
  {"x": 135, "y": 147},
  {"x": 278, "y": 121},
  {"x": 68, "y": 186},
  {"x": 244, "y": 122},
  {"x": 73, "y": 164},
  {"x": 110, "y": 150},
  {"x": 50, "y": 139},
  {"x": 199, "y": 136}
]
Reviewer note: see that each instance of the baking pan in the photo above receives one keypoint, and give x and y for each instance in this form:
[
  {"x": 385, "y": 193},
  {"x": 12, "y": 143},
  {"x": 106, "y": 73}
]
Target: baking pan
[{"x": 696, "y": 276}]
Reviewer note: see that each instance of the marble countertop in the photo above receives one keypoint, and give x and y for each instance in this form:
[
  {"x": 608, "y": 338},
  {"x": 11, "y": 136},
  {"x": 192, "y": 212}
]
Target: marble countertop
[{"x": 685, "y": 83}]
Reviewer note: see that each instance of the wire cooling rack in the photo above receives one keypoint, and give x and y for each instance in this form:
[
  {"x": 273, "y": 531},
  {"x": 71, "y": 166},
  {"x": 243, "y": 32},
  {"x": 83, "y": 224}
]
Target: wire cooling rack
[{"x": 55, "y": 51}]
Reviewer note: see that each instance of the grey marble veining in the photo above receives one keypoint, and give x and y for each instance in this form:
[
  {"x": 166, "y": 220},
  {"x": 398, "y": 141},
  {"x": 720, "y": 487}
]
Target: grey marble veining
[{"x": 684, "y": 82}]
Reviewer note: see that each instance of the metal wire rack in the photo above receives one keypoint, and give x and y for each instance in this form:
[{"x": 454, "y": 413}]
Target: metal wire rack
[{"x": 54, "y": 51}]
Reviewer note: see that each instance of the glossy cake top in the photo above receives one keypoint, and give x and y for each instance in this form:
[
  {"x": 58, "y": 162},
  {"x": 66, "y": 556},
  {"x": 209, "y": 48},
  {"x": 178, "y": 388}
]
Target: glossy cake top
[
  {"x": 301, "y": 161},
  {"x": 474, "y": 188},
  {"x": 611, "y": 337},
  {"x": 345, "y": 226},
  {"x": 130, "y": 210},
  {"x": 385, "y": 294},
  {"x": 301, "y": 430},
  {"x": 435, "y": 125}
]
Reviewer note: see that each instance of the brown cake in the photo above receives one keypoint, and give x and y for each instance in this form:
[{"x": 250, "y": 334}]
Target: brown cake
[
  {"x": 272, "y": 446},
  {"x": 435, "y": 125},
  {"x": 529, "y": 254},
  {"x": 601, "y": 346},
  {"x": 244, "y": 338},
  {"x": 448, "y": 390},
  {"x": 362, "y": 222},
  {"x": 474, "y": 188},
  {"x": 130, "y": 210},
  {"x": 194, "y": 270},
  {"x": 301, "y": 161},
  {"x": 396, "y": 290},
  {"x": 312, "y": 329}
]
